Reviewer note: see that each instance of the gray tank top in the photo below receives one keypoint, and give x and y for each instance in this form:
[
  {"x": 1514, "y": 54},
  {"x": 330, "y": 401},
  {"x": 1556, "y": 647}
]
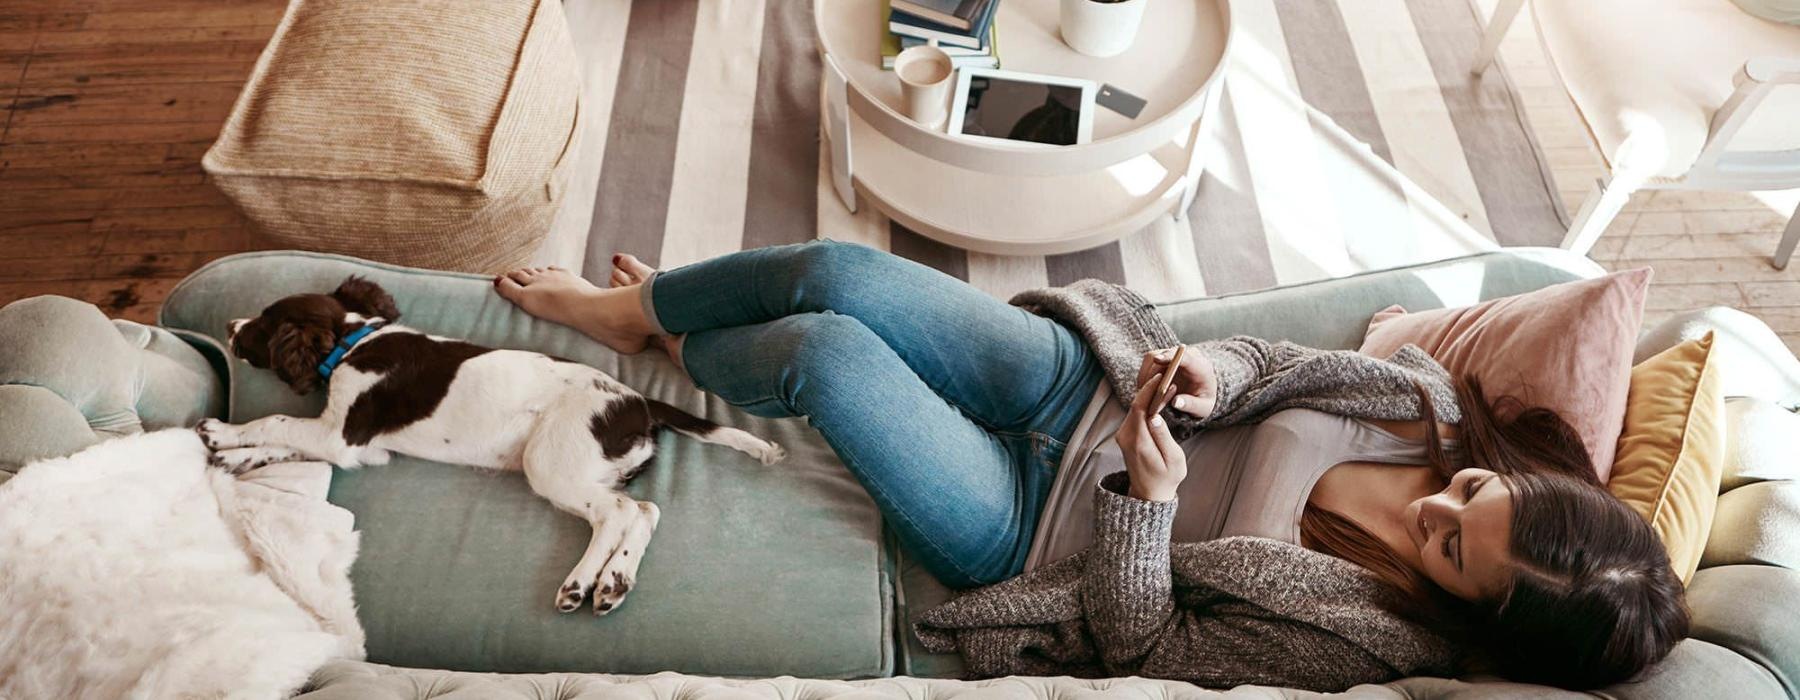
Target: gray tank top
[{"x": 1243, "y": 480}]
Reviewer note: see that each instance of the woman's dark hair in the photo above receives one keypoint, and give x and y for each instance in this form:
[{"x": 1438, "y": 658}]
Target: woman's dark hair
[{"x": 1592, "y": 599}]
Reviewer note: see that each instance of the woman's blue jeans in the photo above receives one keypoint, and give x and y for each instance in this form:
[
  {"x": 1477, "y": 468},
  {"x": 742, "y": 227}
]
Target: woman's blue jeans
[{"x": 949, "y": 406}]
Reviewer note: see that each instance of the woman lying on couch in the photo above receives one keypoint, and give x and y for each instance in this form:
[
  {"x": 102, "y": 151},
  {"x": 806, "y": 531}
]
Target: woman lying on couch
[{"x": 1328, "y": 530}]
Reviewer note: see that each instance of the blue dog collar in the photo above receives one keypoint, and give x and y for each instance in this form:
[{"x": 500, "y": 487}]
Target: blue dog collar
[{"x": 343, "y": 348}]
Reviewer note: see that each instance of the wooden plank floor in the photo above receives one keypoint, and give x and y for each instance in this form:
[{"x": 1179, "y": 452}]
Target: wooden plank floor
[{"x": 111, "y": 103}]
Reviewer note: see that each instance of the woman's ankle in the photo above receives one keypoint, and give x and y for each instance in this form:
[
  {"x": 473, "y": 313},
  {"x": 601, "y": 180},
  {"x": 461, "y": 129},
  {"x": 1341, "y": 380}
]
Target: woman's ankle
[{"x": 625, "y": 307}]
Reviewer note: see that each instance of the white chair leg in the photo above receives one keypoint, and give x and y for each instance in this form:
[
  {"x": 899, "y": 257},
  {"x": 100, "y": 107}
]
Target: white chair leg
[
  {"x": 1597, "y": 211},
  {"x": 1505, "y": 11},
  {"x": 1785, "y": 250}
]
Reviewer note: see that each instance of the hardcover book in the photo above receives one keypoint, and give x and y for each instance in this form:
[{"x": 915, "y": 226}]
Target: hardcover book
[
  {"x": 959, "y": 14},
  {"x": 908, "y": 25},
  {"x": 986, "y": 56}
]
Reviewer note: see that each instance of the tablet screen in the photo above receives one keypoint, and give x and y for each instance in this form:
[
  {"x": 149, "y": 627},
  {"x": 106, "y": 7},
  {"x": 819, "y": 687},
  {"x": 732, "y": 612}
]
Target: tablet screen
[{"x": 1020, "y": 110}]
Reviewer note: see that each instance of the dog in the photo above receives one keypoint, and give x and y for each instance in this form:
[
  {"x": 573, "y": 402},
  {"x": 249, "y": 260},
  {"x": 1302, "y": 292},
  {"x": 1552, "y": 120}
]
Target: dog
[{"x": 577, "y": 434}]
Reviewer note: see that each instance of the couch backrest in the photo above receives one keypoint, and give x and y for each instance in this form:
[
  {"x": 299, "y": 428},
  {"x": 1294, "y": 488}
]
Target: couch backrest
[{"x": 1334, "y": 313}]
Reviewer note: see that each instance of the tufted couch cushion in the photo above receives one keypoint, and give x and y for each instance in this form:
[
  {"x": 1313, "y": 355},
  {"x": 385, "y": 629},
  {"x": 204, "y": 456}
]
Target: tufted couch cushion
[
  {"x": 754, "y": 571},
  {"x": 70, "y": 378},
  {"x": 363, "y": 681}
]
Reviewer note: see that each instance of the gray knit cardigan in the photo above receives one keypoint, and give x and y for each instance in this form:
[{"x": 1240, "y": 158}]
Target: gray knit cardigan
[{"x": 1218, "y": 613}]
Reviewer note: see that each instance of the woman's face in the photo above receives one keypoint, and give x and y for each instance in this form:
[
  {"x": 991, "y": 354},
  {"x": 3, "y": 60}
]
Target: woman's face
[{"x": 1464, "y": 534}]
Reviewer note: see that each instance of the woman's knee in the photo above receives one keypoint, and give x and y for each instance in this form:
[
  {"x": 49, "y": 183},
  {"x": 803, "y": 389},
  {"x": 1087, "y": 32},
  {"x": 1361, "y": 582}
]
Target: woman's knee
[
  {"x": 786, "y": 367},
  {"x": 806, "y": 361},
  {"x": 829, "y": 270},
  {"x": 824, "y": 344}
]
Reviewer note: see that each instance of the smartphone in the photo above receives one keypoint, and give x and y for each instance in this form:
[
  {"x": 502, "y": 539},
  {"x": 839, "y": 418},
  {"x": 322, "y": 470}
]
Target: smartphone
[{"x": 1168, "y": 378}]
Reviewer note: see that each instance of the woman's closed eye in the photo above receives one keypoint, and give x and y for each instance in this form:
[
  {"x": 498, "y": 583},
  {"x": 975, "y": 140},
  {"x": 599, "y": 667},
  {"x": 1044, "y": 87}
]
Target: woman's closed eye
[{"x": 1453, "y": 539}]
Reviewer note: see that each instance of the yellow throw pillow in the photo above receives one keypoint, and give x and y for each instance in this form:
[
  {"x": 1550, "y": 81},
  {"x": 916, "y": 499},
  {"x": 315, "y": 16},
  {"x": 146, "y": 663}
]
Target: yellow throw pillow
[{"x": 1672, "y": 451}]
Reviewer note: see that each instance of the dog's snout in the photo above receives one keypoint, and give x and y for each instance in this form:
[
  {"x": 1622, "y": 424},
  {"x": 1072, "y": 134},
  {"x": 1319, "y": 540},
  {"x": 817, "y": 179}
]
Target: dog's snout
[{"x": 232, "y": 328}]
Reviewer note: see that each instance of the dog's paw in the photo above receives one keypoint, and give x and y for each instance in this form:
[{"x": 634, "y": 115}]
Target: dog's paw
[
  {"x": 237, "y": 460},
  {"x": 613, "y": 587},
  {"x": 569, "y": 597},
  {"x": 217, "y": 434},
  {"x": 770, "y": 453}
]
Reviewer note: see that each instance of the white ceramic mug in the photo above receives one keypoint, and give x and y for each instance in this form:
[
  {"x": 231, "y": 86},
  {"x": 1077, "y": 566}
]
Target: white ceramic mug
[
  {"x": 925, "y": 73},
  {"x": 1101, "y": 29}
]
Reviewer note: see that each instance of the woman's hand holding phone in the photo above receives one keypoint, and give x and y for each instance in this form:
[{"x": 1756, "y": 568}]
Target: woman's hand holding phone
[
  {"x": 1156, "y": 462},
  {"x": 1196, "y": 384},
  {"x": 1152, "y": 457}
]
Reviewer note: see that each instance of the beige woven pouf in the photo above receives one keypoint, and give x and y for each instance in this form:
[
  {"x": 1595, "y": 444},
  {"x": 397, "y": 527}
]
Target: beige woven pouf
[{"x": 432, "y": 133}]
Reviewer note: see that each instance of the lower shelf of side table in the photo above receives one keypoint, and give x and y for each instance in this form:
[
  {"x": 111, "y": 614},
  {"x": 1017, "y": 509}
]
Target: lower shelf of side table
[{"x": 1013, "y": 214}]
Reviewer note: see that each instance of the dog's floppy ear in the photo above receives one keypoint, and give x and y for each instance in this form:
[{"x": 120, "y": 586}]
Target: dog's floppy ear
[
  {"x": 360, "y": 295},
  {"x": 295, "y": 352}
]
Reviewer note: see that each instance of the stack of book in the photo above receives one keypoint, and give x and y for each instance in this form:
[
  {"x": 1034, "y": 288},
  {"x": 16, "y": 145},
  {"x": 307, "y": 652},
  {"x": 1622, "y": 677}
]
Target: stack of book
[{"x": 963, "y": 28}]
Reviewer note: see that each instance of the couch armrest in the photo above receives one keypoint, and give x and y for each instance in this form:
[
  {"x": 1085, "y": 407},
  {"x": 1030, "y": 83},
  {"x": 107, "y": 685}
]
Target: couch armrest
[
  {"x": 1749, "y": 610},
  {"x": 1759, "y": 364},
  {"x": 70, "y": 378}
]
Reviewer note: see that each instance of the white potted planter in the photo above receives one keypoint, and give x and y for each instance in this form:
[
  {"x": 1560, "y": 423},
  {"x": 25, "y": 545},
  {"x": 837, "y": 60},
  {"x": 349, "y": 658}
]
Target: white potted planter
[{"x": 1101, "y": 28}]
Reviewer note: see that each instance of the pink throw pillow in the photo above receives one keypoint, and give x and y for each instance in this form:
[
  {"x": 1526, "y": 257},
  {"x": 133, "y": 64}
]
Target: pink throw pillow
[{"x": 1565, "y": 347}]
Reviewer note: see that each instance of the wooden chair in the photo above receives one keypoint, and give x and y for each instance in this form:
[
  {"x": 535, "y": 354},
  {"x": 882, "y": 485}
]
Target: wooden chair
[{"x": 1679, "y": 94}]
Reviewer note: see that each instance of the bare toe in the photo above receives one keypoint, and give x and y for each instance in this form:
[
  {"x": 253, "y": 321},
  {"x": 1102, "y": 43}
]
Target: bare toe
[
  {"x": 635, "y": 270},
  {"x": 509, "y": 287},
  {"x": 561, "y": 296},
  {"x": 548, "y": 294}
]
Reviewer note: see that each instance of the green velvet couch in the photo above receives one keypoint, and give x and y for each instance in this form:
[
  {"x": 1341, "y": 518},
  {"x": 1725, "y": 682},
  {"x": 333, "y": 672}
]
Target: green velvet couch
[{"x": 756, "y": 571}]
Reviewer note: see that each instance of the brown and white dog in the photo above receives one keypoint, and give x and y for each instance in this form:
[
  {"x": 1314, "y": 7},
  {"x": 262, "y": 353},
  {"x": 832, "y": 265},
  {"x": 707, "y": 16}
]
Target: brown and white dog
[{"x": 578, "y": 434}]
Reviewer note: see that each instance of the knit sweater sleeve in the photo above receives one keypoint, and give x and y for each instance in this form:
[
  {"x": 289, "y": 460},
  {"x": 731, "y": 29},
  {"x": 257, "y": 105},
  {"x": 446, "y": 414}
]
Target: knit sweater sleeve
[
  {"x": 1243, "y": 364},
  {"x": 1256, "y": 376},
  {"x": 1126, "y": 589},
  {"x": 1128, "y": 599},
  {"x": 1244, "y": 368}
]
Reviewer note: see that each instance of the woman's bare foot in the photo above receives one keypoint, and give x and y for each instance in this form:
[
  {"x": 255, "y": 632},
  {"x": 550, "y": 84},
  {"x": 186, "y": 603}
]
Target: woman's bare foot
[
  {"x": 612, "y": 316},
  {"x": 627, "y": 271}
]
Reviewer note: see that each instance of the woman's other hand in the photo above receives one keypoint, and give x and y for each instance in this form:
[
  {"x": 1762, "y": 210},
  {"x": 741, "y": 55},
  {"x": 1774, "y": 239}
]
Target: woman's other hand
[
  {"x": 1152, "y": 457},
  {"x": 1196, "y": 384}
]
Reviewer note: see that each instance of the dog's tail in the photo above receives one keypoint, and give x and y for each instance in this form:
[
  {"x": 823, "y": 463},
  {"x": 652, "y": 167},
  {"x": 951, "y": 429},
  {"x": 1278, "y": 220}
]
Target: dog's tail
[{"x": 666, "y": 416}]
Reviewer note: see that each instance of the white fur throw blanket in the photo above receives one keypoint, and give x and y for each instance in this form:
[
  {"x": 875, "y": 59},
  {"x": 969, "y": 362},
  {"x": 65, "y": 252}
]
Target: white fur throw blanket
[{"x": 132, "y": 570}]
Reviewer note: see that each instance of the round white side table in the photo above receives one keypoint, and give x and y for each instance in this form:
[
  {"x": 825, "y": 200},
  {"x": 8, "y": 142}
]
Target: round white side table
[{"x": 998, "y": 198}]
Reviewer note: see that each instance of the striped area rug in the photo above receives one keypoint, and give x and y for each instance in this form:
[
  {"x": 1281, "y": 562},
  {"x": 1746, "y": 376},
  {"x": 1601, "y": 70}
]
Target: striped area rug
[{"x": 1350, "y": 136}]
